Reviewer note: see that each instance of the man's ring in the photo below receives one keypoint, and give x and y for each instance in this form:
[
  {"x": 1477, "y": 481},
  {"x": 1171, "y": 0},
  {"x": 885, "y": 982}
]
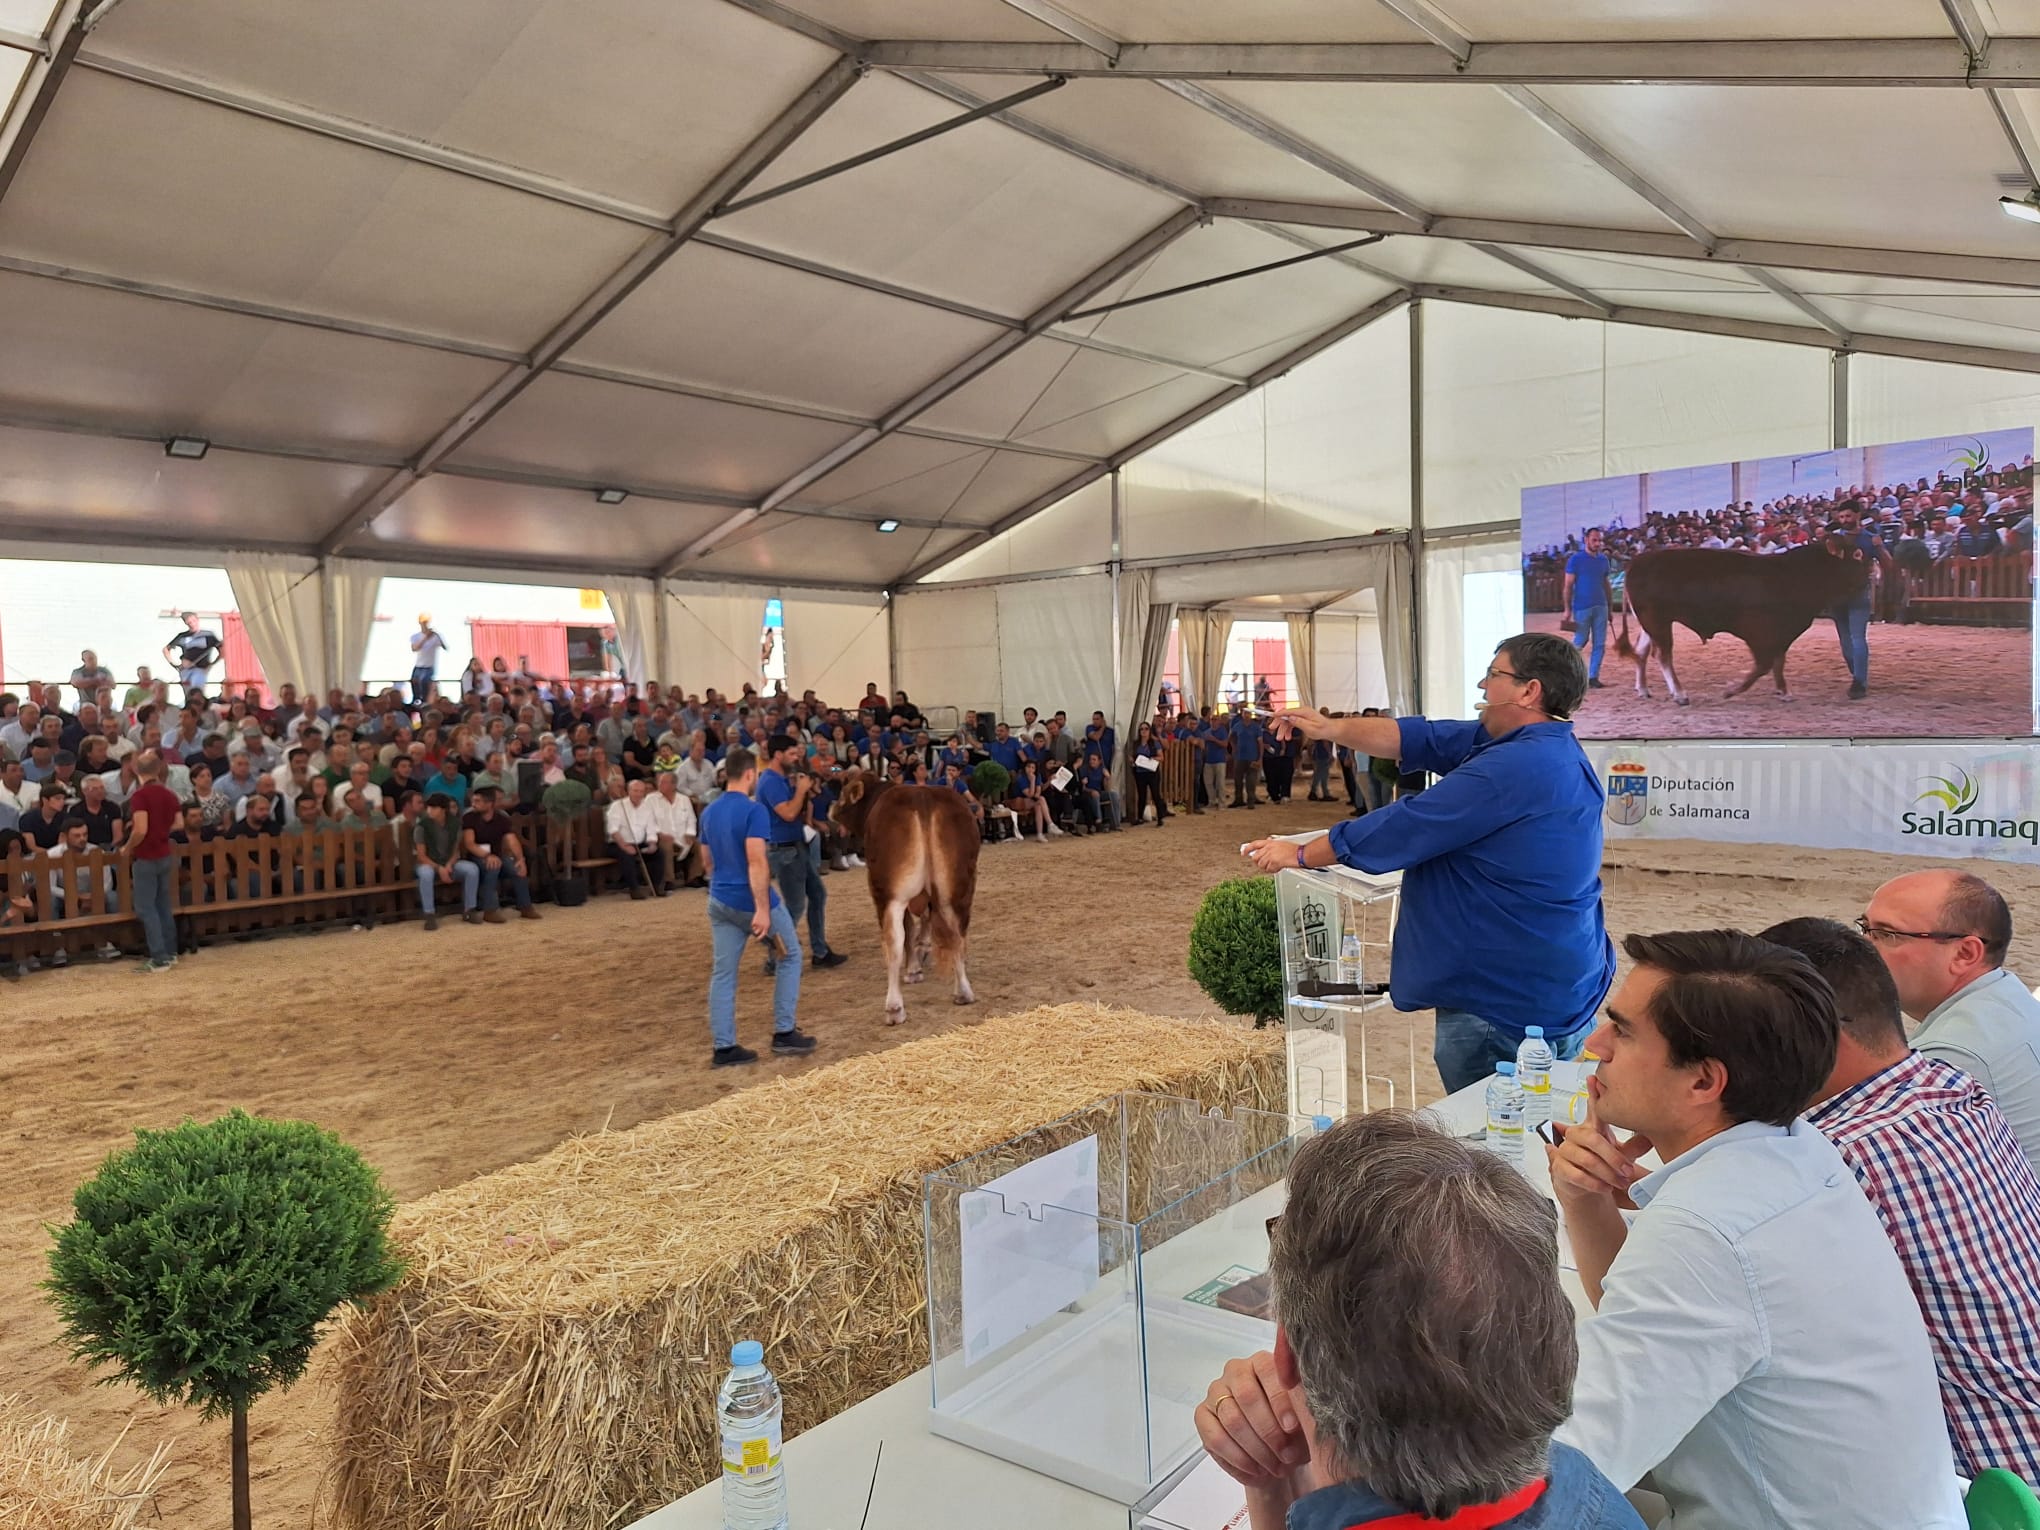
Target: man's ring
[{"x": 1223, "y": 1397}]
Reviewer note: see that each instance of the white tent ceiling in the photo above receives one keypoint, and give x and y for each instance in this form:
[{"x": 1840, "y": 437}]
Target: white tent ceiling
[{"x": 428, "y": 276}]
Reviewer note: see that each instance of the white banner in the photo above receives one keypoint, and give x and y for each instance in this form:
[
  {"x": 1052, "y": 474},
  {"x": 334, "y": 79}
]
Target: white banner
[{"x": 1946, "y": 800}]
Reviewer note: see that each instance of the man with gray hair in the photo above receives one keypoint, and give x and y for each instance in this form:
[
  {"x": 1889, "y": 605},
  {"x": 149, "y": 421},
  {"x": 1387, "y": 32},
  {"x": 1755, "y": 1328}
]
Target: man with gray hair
[
  {"x": 1501, "y": 924},
  {"x": 1424, "y": 1353}
]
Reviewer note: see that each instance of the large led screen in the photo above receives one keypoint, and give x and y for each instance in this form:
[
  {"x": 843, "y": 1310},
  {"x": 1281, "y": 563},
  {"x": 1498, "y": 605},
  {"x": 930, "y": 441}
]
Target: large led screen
[{"x": 1869, "y": 591}]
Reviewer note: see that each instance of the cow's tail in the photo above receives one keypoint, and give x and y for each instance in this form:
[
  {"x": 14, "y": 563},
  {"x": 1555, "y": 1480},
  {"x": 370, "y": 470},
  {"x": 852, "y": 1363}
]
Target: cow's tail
[{"x": 1622, "y": 644}]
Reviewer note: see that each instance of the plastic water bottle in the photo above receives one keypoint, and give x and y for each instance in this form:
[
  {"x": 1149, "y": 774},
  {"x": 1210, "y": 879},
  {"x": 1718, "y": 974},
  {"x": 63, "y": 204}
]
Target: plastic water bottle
[
  {"x": 1533, "y": 1077},
  {"x": 748, "y": 1412},
  {"x": 1349, "y": 957},
  {"x": 1505, "y": 1114}
]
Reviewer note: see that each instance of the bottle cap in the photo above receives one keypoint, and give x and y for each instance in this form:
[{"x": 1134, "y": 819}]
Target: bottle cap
[
  {"x": 1507, "y": 1068},
  {"x": 1534, "y": 1030},
  {"x": 749, "y": 1352}
]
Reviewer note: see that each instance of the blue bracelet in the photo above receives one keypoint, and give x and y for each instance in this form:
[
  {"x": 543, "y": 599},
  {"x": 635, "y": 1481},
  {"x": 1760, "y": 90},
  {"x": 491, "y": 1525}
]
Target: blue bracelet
[{"x": 1299, "y": 857}]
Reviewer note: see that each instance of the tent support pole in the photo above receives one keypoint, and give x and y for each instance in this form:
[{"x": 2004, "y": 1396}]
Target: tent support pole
[
  {"x": 1118, "y": 559},
  {"x": 1417, "y": 504},
  {"x": 1838, "y": 399}
]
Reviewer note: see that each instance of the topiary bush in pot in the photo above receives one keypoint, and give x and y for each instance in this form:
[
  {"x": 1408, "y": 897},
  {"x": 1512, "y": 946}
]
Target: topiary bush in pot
[{"x": 1236, "y": 948}]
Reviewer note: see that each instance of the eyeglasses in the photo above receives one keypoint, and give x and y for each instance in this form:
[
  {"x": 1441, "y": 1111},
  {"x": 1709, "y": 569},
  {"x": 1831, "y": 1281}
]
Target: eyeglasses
[
  {"x": 1503, "y": 674},
  {"x": 1884, "y": 936}
]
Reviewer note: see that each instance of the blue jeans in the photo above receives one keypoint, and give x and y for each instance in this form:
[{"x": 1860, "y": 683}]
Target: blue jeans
[
  {"x": 153, "y": 883},
  {"x": 492, "y": 896},
  {"x": 467, "y": 877},
  {"x": 1593, "y": 624},
  {"x": 1468, "y": 1047},
  {"x": 421, "y": 682},
  {"x": 1852, "y": 628},
  {"x": 193, "y": 681},
  {"x": 799, "y": 876},
  {"x": 730, "y": 929}
]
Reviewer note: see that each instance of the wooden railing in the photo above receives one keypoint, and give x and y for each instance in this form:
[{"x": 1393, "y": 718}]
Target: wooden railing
[
  {"x": 227, "y": 887},
  {"x": 1992, "y": 591}
]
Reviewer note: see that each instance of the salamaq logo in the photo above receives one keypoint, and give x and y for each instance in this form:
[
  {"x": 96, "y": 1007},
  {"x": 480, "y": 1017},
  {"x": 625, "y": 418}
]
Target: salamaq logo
[{"x": 1951, "y": 818}]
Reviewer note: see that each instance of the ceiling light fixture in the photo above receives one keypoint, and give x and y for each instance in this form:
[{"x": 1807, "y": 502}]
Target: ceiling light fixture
[
  {"x": 2027, "y": 206},
  {"x": 611, "y": 496},
  {"x": 888, "y": 525},
  {"x": 190, "y": 448}
]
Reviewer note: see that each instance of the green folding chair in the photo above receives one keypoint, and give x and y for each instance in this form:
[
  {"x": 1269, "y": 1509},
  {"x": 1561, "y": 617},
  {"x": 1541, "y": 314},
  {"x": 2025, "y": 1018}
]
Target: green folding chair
[{"x": 2000, "y": 1501}]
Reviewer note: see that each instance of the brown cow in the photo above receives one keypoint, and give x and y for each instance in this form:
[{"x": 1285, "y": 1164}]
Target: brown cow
[
  {"x": 921, "y": 853},
  {"x": 1767, "y": 601}
]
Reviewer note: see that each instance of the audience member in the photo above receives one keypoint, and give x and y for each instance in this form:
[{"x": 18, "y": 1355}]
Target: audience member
[
  {"x": 491, "y": 841},
  {"x": 1403, "y": 1388},
  {"x": 1955, "y": 1194},
  {"x": 1754, "y": 1347},
  {"x": 438, "y": 837},
  {"x": 152, "y": 815},
  {"x": 744, "y": 906},
  {"x": 633, "y": 827},
  {"x": 1944, "y": 935}
]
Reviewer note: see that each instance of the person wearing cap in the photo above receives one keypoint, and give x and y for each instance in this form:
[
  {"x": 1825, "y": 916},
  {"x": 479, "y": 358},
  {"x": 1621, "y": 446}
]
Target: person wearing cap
[
  {"x": 1501, "y": 925},
  {"x": 263, "y": 754}
]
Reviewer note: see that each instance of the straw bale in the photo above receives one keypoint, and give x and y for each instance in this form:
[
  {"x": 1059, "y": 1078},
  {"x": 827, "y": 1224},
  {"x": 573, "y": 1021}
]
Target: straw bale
[
  {"x": 44, "y": 1487},
  {"x": 551, "y": 1356}
]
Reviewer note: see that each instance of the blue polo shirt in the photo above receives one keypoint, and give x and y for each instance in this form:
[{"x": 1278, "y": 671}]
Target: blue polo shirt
[
  {"x": 1576, "y": 1497},
  {"x": 1214, "y": 742},
  {"x": 1104, "y": 741},
  {"x": 773, "y": 789},
  {"x": 1246, "y": 741},
  {"x": 727, "y": 826},
  {"x": 457, "y": 788},
  {"x": 1092, "y": 778},
  {"x": 1501, "y": 863},
  {"x": 1006, "y": 752},
  {"x": 1590, "y": 580}
]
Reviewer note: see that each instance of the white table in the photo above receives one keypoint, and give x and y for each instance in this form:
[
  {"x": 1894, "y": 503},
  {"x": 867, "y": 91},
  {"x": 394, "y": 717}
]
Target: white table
[{"x": 926, "y": 1482}]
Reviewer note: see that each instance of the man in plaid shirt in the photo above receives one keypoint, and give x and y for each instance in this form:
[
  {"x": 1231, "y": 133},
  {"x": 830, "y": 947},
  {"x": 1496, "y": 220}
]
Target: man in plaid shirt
[{"x": 1954, "y": 1192}]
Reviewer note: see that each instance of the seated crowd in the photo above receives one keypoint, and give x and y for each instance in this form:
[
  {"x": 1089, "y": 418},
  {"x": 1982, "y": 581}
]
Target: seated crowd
[{"x": 1807, "y": 1243}]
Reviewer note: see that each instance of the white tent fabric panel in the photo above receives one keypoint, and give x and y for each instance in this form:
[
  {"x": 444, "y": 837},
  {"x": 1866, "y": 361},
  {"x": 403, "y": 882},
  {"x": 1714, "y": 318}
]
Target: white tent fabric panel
[
  {"x": 81, "y": 353},
  {"x": 1513, "y": 400},
  {"x": 1275, "y": 20},
  {"x": 222, "y": 198},
  {"x": 972, "y": 20},
  {"x": 81, "y": 485},
  {"x": 719, "y": 319},
  {"x": 815, "y": 548},
  {"x": 946, "y": 646},
  {"x": 473, "y": 516},
  {"x": 980, "y": 215},
  {"x": 281, "y": 600},
  {"x": 641, "y": 101},
  {"x": 916, "y": 478},
  {"x": 1713, "y": 19},
  {"x": 713, "y": 633},
  {"x": 607, "y": 433},
  {"x": 1450, "y": 667},
  {"x": 1349, "y": 668},
  {"x": 1957, "y": 311},
  {"x": 1891, "y": 399},
  {"x": 835, "y": 646},
  {"x": 352, "y": 585},
  {"x": 1070, "y": 534},
  {"x": 1055, "y": 646},
  {"x": 634, "y": 605}
]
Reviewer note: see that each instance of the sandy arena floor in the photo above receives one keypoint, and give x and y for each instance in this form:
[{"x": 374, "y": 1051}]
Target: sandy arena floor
[
  {"x": 1925, "y": 682},
  {"x": 448, "y": 1055}
]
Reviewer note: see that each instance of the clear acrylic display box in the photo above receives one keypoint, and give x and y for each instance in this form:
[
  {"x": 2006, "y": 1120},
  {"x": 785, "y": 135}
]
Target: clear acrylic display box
[
  {"x": 1088, "y": 1280},
  {"x": 1338, "y": 934}
]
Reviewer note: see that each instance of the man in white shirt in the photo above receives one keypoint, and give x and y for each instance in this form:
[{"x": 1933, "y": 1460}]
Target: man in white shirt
[
  {"x": 677, "y": 834},
  {"x": 24, "y": 726},
  {"x": 426, "y": 647},
  {"x": 15, "y": 791},
  {"x": 1755, "y": 1347},
  {"x": 633, "y": 827},
  {"x": 1944, "y": 934},
  {"x": 696, "y": 775}
]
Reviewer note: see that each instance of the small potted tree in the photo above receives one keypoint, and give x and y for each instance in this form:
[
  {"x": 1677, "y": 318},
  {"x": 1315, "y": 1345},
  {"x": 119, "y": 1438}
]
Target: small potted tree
[
  {"x": 1236, "y": 948},
  {"x": 201, "y": 1261},
  {"x": 989, "y": 783}
]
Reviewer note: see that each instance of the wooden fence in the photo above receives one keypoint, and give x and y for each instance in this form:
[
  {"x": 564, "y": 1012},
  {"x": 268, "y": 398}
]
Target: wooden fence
[
  {"x": 227, "y": 887},
  {"x": 1992, "y": 591}
]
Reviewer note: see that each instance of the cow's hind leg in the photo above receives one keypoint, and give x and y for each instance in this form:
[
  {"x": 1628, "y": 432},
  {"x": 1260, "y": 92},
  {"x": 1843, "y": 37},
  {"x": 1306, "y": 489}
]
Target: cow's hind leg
[
  {"x": 1662, "y": 642},
  {"x": 952, "y": 935},
  {"x": 892, "y": 927},
  {"x": 1758, "y": 664},
  {"x": 1642, "y": 652},
  {"x": 917, "y": 941},
  {"x": 1778, "y": 675}
]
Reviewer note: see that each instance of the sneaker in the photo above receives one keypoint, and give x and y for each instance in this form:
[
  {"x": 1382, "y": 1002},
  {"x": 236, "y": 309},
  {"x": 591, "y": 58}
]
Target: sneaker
[
  {"x": 529, "y": 913},
  {"x": 495, "y": 916},
  {"x": 855, "y": 860},
  {"x": 109, "y": 952},
  {"x": 794, "y": 1043},
  {"x": 1596, "y": 685},
  {"x": 833, "y": 959},
  {"x": 472, "y": 916},
  {"x": 1858, "y": 691},
  {"x": 57, "y": 959},
  {"x": 158, "y": 965},
  {"x": 732, "y": 1057},
  {"x": 431, "y": 921}
]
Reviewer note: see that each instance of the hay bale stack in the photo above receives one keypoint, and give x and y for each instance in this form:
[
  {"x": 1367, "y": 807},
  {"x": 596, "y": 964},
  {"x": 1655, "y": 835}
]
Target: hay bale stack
[
  {"x": 551, "y": 1357},
  {"x": 44, "y": 1487}
]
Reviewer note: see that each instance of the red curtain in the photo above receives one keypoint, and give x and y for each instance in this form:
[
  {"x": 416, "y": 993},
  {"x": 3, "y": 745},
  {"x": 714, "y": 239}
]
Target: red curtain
[
  {"x": 1271, "y": 659},
  {"x": 243, "y": 669},
  {"x": 543, "y": 645}
]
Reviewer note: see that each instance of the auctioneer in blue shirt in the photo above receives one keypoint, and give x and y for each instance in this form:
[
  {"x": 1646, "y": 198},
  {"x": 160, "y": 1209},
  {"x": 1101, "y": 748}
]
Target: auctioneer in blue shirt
[{"x": 1501, "y": 863}]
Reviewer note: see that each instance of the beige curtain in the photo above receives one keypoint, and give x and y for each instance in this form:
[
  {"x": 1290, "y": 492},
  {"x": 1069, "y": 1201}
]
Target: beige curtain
[
  {"x": 634, "y": 604},
  {"x": 1392, "y": 590},
  {"x": 282, "y": 604},
  {"x": 351, "y": 590},
  {"x": 1210, "y": 673},
  {"x": 1303, "y": 655}
]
